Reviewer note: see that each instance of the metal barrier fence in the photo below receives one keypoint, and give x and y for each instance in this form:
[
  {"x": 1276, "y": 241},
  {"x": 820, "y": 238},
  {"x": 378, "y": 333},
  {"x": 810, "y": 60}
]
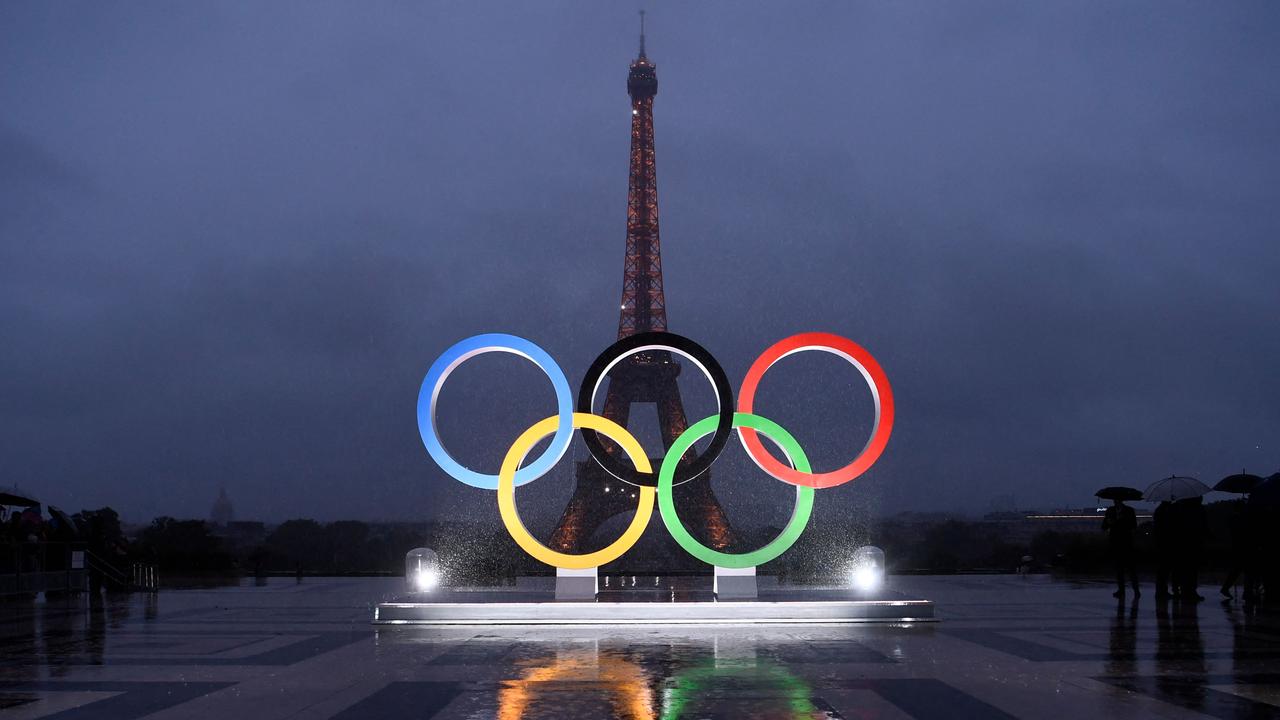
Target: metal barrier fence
[
  {"x": 32, "y": 567},
  {"x": 145, "y": 577}
]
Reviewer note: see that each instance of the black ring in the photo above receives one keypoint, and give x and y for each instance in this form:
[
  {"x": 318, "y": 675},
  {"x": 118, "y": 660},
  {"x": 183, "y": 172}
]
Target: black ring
[{"x": 681, "y": 345}]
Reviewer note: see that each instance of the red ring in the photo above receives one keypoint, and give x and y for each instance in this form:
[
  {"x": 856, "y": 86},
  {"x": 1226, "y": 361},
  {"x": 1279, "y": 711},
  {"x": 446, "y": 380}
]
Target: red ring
[{"x": 880, "y": 390}]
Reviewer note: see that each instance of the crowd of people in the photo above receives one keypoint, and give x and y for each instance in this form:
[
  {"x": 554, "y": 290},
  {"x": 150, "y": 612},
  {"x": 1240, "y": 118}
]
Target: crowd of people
[
  {"x": 23, "y": 530},
  {"x": 1180, "y": 530},
  {"x": 23, "y": 525},
  {"x": 31, "y": 541}
]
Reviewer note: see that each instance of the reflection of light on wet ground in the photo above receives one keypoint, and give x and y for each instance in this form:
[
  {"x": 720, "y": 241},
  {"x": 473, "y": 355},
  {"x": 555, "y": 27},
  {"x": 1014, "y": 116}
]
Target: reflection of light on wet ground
[
  {"x": 624, "y": 682},
  {"x": 1006, "y": 647},
  {"x": 762, "y": 690},
  {"x": 656, "y": 683}
]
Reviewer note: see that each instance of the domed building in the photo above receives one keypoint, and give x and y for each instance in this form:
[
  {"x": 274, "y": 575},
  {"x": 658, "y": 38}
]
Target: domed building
[{"x": 222, "y": 513}]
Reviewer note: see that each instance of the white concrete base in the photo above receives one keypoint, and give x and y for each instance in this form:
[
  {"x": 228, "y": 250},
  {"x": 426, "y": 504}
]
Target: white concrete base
[
  {"x": 577, "y": 584},
  {"x": 644, "y": 613},
  {"x": 735, "y": 583}
]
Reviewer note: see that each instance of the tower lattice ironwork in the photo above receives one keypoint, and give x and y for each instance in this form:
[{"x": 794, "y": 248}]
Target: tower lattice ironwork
[{"x": 648, "y": 377}]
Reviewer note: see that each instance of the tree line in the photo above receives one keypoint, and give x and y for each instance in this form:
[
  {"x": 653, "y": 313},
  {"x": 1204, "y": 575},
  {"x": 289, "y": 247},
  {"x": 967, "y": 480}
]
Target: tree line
[{"x": 478, "y": 553}]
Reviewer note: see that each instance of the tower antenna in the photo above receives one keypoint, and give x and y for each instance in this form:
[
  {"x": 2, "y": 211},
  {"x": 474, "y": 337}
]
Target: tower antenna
[{"x": 641, "y": 33}]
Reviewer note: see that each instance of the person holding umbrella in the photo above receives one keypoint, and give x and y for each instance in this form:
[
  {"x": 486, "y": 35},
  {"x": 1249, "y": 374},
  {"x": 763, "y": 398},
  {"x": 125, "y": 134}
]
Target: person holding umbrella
[
  {"x": 1121, "y": 525},
  {"x": 1264, "y": 501},
  {"x": 1163, "y": 532},
  {"x": 1245, "y": 536},
  {"x": 1187, "y": 524},
  {"x": 1193, "y": 533}
]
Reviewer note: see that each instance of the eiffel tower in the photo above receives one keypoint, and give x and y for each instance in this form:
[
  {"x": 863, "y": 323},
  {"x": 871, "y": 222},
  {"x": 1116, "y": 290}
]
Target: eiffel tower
[{"x": 648, "y": 377}]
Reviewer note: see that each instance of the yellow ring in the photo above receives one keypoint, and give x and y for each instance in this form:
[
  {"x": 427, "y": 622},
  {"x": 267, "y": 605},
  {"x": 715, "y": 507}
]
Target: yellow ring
[{"x": 507, "y": 493}]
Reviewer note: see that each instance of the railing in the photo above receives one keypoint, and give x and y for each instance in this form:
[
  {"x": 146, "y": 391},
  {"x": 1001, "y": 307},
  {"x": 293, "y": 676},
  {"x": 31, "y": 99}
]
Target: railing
[
  {"x": 31, "y": 567},
  {"x": 139, "y": 576},
  {"x": 145, "y": 577}
]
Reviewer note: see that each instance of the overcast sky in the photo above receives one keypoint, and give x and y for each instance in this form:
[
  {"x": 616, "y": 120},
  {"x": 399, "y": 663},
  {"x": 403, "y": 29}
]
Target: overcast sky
[{"x": 233, "y": 236}]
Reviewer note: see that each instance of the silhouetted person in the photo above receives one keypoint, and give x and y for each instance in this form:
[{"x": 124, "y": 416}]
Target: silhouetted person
[
  {"x": 57, "y": 532},
  {"x": 1244, "y": 551},
  {"x": 31, "y": 531},
  {"x": 1162, "y": 529},
  {"x": 95, "y": 541},
  {"x": 1268, "y": 564},
  {"x": 1191, "y": 530},
  {"x": 1121, "y": 524},
  {"x": 15, "y": 538}
]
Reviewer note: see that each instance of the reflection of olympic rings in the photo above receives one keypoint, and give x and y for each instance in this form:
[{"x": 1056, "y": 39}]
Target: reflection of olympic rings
[
  {"x": 788, "y": 695},
  {"x": 673, "y": 470},
  {"x": 662, "y": 342},
  {"x": 623, "y": 680}
]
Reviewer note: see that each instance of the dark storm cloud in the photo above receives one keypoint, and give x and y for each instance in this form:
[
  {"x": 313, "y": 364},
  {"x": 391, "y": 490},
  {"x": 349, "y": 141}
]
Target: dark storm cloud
[{"x": 232, "y": 238}]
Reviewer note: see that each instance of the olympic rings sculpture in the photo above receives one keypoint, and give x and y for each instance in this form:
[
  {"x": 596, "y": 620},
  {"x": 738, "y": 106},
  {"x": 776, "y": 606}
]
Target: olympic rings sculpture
[{"x": 674, "y": 470}]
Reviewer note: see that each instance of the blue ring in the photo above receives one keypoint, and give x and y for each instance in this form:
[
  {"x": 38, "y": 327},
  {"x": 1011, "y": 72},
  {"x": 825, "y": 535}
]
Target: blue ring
[{"x": 448, "y": 361}]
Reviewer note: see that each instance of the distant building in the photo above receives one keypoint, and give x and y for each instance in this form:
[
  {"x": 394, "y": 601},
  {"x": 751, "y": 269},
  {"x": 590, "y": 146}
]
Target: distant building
[
  {"x": 1022, "y": 525},
  {"x": 914, "y": 518},
  {"x": 222, "y": 513}
]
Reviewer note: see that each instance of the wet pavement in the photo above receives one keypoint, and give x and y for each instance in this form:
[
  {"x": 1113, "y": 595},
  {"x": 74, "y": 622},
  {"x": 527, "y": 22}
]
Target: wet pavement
[{"x": 1007, "y": 646}]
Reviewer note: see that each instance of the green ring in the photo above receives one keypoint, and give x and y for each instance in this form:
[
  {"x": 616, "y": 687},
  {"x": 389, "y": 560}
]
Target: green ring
[{"x": 667, "y": 504}]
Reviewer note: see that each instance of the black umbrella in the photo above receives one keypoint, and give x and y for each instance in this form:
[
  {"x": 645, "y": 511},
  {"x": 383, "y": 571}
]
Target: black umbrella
[
  {"x": 65, "y": 519},
  {"x": 1267, "y": 492},
  {"x": 1119, "y": 492},
  {"x": 17, "y": 496},
  {"x": 1241, "y": 482}
]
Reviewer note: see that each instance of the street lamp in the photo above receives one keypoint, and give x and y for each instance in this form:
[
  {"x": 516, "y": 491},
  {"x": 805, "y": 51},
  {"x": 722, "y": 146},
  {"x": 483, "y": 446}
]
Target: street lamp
[
  {"x": 421, "y": 570},
  {"x": 866, "y": 574}
]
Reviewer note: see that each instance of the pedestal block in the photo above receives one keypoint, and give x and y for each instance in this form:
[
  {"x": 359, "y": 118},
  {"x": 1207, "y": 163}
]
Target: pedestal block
[
  {"x": 735, "y": 584},
  {"x": 577, "y": 584}
]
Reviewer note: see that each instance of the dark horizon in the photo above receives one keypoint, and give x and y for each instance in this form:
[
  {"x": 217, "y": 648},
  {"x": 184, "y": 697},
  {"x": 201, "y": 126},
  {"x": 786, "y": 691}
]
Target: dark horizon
[{"x": 233, "y": 238}]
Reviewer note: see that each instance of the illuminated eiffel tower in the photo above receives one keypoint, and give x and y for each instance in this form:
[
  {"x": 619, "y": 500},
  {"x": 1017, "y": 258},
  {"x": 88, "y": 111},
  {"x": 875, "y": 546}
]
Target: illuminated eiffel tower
[{"x": 648, "y": 377}]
